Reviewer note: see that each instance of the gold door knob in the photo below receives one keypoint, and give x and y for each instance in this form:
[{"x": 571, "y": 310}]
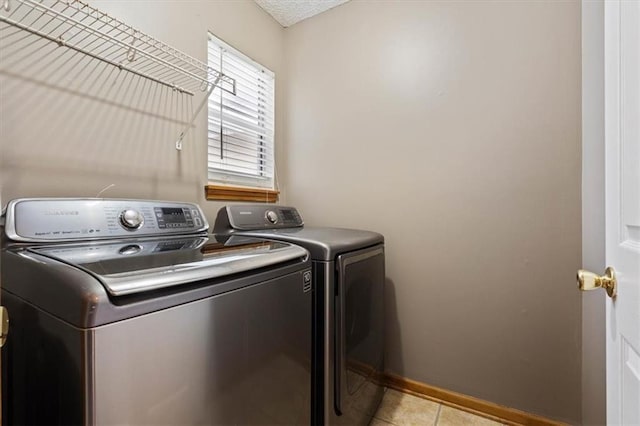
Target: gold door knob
[{"x": 590, "y": 281}]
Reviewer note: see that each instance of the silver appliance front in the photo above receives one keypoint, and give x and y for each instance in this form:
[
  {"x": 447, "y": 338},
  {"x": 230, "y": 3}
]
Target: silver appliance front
[
  {"x": 241, "y": 357},
  {"x": 238, "y": 358}
]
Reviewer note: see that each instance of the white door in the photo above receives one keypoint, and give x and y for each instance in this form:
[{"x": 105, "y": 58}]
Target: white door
[{"x": 622, "y": 145}]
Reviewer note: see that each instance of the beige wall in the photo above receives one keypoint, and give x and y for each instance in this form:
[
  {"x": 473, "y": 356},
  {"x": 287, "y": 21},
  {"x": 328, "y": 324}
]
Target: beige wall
[
  {"x": 593, "y": 222},
  {"x": 454, "y": 129},
  {"x": 71, "y": 127}
]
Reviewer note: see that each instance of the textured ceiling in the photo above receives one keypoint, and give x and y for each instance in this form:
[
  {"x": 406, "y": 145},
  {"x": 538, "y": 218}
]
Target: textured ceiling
[{"x": 288, "y": 12}]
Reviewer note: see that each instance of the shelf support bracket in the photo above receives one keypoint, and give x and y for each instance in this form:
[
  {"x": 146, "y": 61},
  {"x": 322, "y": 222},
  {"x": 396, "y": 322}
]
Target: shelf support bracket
[{"x": 195, "y": 114}]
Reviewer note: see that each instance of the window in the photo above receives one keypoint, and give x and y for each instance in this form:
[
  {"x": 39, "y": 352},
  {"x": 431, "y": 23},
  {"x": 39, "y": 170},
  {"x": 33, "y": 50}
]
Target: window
[{"x": 241, "y": 126}]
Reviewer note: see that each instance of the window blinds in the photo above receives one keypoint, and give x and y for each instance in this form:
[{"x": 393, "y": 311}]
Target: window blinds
[{"x": 241, "y": 126}]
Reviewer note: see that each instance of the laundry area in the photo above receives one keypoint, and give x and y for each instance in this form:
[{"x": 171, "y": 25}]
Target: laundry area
[{"x": 335, "y": 212}]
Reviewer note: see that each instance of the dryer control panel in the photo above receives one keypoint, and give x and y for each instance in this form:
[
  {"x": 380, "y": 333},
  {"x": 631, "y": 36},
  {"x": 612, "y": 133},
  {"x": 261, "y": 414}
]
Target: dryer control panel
[
  {"x": 70, "y": 219},
  {"x": 247, "y": 217}
]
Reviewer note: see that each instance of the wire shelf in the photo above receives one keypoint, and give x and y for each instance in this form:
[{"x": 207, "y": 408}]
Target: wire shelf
[{"x": 75, "y": 25}]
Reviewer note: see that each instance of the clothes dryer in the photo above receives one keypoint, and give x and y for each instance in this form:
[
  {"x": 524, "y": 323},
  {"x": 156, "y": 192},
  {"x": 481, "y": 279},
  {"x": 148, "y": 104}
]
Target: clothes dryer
[{"x": 348, "y": 320}]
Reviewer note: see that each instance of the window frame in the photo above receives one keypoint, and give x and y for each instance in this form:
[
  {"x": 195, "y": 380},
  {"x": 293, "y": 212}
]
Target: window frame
[{"x": 229, "y": 184}]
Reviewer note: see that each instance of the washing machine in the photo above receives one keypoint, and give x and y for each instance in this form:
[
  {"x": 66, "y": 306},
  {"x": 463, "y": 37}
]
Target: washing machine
[
  {"x": 128, "y": 312},
  {"x": 348, "y": 306}
]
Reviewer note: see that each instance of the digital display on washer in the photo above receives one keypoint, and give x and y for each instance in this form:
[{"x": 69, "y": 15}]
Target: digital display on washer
[
  {"x": 288, "y": 215},
  {"x": 171, "y": 217}
]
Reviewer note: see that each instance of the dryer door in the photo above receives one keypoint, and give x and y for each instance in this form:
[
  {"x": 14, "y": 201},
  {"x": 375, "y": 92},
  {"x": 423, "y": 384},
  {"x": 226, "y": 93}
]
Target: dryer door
[{"x": 359, "y": 333}]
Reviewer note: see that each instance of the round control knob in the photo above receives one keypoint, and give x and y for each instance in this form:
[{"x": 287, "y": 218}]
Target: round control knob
[
  {"x": 271, "y": 216},
  {"x": 131, "y": 219}
]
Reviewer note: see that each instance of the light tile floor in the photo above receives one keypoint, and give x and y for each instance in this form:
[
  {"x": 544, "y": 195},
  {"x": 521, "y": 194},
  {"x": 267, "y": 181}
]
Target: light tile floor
[{"x": 401, "y": 409}]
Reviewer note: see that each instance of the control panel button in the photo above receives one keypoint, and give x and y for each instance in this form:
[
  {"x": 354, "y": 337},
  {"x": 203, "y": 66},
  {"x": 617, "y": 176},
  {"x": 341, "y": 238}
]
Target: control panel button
[
  {"x": 131, "y": 219},
  {"x": 271, "y": 216}
]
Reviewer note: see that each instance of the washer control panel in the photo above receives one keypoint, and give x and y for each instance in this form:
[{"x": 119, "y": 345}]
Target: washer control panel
[
  {"x": 248, "y": 217},
  {"x": 69, "y": 219}
]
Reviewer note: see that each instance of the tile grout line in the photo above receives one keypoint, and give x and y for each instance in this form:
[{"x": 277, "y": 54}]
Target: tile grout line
[
  {"x": 499, "y": 421},
  {"x": 375, "y": 416},
  {"x": 383, "y": 420},
  {"x": 437, "y": 415}
]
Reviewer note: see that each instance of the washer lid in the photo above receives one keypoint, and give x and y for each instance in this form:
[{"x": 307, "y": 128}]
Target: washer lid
[{"x": 137, "y": 265}]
